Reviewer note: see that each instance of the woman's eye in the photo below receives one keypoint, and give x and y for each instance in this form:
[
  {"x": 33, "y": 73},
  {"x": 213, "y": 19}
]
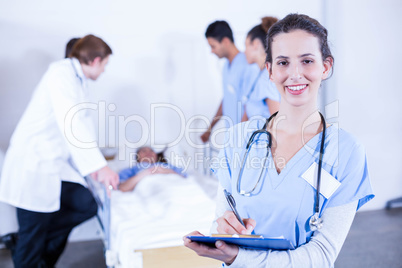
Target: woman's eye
[
  {"x": 307, "y": 61},
  {"x": 282, "y": 63}
]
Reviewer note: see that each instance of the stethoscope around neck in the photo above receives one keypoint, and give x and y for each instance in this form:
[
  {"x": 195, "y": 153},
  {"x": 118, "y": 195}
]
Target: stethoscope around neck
[
  {"x": 315, "y": 220},
  {"x": 76, "y": 71}
]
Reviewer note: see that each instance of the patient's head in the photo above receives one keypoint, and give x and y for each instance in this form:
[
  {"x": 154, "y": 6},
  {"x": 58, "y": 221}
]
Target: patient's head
[{"x": 146, "y": 154}]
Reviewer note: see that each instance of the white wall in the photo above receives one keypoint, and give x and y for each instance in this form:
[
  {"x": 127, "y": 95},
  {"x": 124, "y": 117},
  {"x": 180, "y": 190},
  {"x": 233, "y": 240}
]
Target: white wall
[
  {"x": 366, "y": 40},
  {"x": 160, "y": 53}
]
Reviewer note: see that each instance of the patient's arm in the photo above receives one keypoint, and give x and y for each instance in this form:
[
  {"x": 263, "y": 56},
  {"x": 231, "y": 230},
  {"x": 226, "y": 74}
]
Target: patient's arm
[
  {"x": 168, "y": 170},
  {"x": 217, "y": 117},
  {"x": 130, "y": 184},
  {"x": 163, "y": 170}
]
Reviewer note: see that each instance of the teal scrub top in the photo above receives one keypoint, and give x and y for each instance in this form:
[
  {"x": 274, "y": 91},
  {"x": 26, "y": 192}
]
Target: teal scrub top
[
  {"x": 261, "y": 90},
  {"x": 283, "y": 203},
  {"x": 236, "y": 78}
]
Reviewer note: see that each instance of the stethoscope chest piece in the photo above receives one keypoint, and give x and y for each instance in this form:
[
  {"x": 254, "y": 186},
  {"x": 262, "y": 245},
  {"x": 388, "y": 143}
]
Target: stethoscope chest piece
[{"x": 315, "y": 222}]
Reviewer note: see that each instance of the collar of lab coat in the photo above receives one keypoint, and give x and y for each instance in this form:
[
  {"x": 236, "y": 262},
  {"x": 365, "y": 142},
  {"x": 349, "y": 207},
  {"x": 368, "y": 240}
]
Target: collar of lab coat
[{"x": 78, "y": 71}]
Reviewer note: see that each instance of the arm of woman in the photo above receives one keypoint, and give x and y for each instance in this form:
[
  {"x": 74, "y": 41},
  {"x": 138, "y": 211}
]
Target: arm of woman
[
  {"x": 217, "y": 117},
  {"x": 244, "y": 117},
  {"x": 164, "y": 170},
  {"x": 130, "y": 184},
  {"x": 321, "y": 251}
]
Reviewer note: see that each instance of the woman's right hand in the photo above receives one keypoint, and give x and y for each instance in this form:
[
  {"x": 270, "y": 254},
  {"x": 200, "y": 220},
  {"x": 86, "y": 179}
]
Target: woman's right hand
[{"x": 229, "y": 224}]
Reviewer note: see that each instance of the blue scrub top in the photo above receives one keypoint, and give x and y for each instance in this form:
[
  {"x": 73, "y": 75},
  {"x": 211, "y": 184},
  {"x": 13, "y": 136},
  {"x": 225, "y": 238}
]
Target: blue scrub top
[
  {"x": 127, "y": 173},
  {"x": 261, "y": 90},
  {"x": 236, "y": 79},
  {"x": 283, "y": 203}
]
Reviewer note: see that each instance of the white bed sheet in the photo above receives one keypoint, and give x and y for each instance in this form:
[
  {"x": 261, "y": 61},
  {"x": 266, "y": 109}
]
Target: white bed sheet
[{"x": 158, "y": 213}]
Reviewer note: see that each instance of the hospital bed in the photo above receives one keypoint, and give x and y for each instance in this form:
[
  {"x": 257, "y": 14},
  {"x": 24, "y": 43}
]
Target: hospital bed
[{"x": 152, "y": 220}]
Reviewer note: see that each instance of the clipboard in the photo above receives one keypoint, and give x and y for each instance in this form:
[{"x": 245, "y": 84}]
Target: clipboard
[{"x": 252, "y": 241}]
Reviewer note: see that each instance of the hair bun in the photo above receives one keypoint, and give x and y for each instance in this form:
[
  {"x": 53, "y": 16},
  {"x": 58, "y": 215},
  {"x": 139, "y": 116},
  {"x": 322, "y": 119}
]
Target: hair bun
[{"x": 267, "y": 22}]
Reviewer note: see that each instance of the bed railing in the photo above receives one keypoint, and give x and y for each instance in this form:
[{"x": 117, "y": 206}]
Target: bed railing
[{"x": 99, "y": 193}]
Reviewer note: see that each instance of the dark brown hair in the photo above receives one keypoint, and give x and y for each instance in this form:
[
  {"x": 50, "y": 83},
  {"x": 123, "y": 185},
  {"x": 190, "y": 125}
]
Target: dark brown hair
[
  {"x": 69, "y": 46},
  {"x": 160, "y": 157},
  {"x": 88, "y": 48},
  {"x": 260, "y": 31},
  {"x": 300, "y": 22}
]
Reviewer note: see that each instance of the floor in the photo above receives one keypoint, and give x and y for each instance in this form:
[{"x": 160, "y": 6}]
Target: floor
[{"x": 375, "y": 240}]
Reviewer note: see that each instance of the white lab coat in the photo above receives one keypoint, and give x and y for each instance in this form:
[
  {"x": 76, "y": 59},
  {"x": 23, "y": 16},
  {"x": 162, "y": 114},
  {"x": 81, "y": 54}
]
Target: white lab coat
[{"x": 40, "y": 156}]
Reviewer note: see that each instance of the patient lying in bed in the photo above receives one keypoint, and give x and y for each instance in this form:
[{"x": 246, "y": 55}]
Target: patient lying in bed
[{"x": 148, "y": 163}]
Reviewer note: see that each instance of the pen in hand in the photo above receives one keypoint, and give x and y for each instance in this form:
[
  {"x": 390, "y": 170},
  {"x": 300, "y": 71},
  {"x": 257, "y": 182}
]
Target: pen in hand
[{"x": 232, "y": 205}]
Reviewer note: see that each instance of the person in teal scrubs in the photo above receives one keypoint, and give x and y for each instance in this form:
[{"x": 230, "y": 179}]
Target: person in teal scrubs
[
  {"x": 236, "y": 74},
  {"x": 263, "y": 97},
  {"x": 283, "y": 201}
]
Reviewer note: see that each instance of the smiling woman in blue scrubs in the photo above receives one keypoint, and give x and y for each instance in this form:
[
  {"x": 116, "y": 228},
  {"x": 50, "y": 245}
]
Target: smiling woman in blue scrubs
[
  {"x": 283, "y": 202},
  {"x": 263, "y": 97}
]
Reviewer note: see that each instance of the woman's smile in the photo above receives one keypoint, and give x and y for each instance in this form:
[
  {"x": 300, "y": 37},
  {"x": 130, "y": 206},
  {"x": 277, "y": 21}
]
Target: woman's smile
[{"x": 296, "y": 89}]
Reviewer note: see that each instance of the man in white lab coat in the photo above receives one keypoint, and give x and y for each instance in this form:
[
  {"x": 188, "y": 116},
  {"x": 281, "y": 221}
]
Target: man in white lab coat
[{"x": 50, "y": 151}]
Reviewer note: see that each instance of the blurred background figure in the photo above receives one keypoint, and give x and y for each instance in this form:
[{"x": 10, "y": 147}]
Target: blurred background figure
[
  {"x": 69, "y": 46},
  {"x": 236, "y": 74},
  {"x": 47, "y": 158},
  {"x": 263, "y": 97}
]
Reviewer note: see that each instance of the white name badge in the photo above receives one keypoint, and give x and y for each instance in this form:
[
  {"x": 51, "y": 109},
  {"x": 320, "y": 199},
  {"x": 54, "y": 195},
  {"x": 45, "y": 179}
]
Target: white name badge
[{"x": 328, "y": 183}]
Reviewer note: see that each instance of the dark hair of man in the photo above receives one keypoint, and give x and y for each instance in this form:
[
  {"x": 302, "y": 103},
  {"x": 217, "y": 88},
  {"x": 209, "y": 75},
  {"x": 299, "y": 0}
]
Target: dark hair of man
[
  {"x": 90, "y": 47},
  {"x": 219, "y": 30}
]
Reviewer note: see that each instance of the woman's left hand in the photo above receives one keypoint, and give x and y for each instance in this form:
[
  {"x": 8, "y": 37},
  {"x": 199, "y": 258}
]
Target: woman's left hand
[{"x": 222, "y": 251}]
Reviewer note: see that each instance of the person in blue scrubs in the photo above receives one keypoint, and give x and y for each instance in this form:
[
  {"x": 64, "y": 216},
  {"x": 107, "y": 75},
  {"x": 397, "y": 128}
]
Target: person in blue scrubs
[
  {"x": 283, "y": 202},
  {"x": 148, "y": 163},
  {"x": 236, "y": 74},
  {"x": 263, "y": 97}
]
